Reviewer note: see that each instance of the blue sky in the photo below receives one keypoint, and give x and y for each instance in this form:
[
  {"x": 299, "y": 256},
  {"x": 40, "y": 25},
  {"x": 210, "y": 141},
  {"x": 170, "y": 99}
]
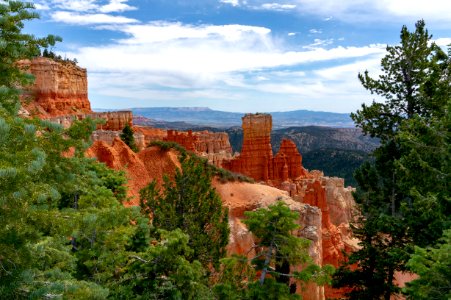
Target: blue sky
[{"x": 233, "y": 55}]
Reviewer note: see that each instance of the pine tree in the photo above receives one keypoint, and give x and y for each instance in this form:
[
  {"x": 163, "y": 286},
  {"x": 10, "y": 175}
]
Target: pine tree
[
  {"x": 189, "y": 202},
  {"x": 128, "y": 138},
  {"x": 416, "y": 86},
  {"x": 15, "y": 46},
  {"x": 277, "y": 248}
]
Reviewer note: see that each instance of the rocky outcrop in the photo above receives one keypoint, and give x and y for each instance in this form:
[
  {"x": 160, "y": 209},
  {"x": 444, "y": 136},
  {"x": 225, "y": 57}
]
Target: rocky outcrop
[
  {"x": 184, "y": 139},
  {"x": 288, "y": 162},
  {"x": 285, "y": 171},
  {"x": 149, "y": 164},
  {"x": 150, "y": 134},
  {"x": 256, "y": 158},
  {"x": 60, "y": 88},
  {"x": 214, "y": 146}
]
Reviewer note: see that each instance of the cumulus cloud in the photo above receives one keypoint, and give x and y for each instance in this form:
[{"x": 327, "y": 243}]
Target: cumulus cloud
[
  {"x": 213, "y": 62},
  {"x": 209, "y": 49},
  {"x": 88, "y": 12},
  {"x": 41, "y": 6},
  {"x": 443, "y": 42},
  {"x": 76, "y": 5}
]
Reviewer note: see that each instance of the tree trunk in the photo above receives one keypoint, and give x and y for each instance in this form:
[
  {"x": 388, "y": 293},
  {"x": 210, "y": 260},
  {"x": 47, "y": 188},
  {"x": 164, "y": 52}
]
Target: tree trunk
[{"x": 265, "y": 266}]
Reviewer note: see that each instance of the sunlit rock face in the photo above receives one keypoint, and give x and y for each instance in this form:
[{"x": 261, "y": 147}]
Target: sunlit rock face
[
  {"x": 60, "y": 88},
  {"x": 256, "y": 159},
  {"x": 140, "y": 168}
]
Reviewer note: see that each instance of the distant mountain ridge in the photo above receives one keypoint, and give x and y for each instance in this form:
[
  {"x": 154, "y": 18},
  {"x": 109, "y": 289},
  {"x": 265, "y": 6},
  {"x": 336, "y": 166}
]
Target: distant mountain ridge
[{"x": 204, "y": 116}]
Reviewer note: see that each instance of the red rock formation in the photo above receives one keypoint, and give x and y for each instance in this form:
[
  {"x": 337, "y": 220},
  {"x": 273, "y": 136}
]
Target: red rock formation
[
  {"x": 185, "y": 139},
  {"x": 150, "y": 134},
  {"x": 59, "y": 88},
  {"x": 325, "y": 192},
  {"x": 256, "y": 155},
  {"x": 214, "y": 146},
  {"x": 256, "y": 159},
  {"x": 212, "y": 142},
  {"x": 140, "y": 169},
  {"x": 288, "y": 162}
]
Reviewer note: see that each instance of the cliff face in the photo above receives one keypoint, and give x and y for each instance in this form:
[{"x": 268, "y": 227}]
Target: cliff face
[{"x": 59, "y": 88}]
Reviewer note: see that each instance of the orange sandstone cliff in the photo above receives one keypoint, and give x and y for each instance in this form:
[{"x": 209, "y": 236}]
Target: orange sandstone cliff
[
  {"x": 59, "y": 88},
  {"x": 60, "y": 94}
]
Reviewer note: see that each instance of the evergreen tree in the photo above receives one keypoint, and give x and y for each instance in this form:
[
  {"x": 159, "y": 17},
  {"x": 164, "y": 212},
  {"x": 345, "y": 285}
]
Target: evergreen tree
[
  {"x": 188, "y": 202},
  {"x": 433, "y": 265},
  {"x": 277, "y": 246},
  {"x": 128, "y": 138},
  {"x": 276, "y": 250},
  {"x": 15, "y": 46},
  {"x": 396, "y": 205}
]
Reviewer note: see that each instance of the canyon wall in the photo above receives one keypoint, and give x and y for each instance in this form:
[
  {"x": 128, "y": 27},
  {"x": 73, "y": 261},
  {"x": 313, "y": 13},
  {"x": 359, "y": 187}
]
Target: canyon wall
[{"x": 60, "y": 88}]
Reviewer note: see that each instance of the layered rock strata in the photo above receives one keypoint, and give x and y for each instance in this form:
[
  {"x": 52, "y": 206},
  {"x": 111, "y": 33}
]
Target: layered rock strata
[
  {"x": 60, "y": 94},
  {"x": 59, "y": 88},
  {"x": 256, "y": 158}
]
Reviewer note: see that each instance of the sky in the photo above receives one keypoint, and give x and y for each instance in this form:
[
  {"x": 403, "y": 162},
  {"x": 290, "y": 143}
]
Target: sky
[{"x": 233, "y": 55}]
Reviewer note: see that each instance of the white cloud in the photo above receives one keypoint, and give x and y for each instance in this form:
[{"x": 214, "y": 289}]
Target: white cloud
[
  {"x": 315, "y": 31},
  {"x": 76, "y": 5},
  {"x": 443, "y": 42},
  {"x": 89, "y": 19},
  {"x": 433, "y": 11},
  {"x": 320, "y": 43},
  {"x": 205, "y": 50},
  {"x": 277, "y": 6},
  {"x": 41, "y": 6},
  {"x": 292, "y": 33},
  {"x": 231, "y": 2},
  {"x": 163, "y": 60},
  {"x": 116, "y": 6}
]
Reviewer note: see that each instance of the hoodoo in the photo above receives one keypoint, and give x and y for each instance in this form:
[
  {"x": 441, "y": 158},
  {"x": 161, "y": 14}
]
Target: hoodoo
[{"x": 256, "y": 159}]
